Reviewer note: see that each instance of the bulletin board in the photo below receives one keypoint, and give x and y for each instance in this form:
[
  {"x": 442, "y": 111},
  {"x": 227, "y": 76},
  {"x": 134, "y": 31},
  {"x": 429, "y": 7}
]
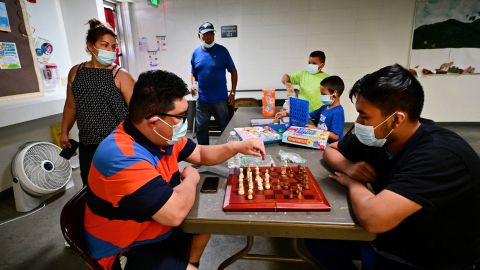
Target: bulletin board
[{"x": 24, "y": 81}]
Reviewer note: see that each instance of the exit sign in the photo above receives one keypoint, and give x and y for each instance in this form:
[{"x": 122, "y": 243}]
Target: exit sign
[{"x": 154, "y": 2}]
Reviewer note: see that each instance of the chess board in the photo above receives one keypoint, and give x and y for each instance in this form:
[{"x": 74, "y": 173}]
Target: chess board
[{"x": 282, "y": 195}]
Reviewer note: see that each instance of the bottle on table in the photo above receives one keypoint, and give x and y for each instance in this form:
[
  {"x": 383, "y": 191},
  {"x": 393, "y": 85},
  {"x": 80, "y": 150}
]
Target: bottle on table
[
  {"x": 233, "y": 162},
  {"x": 268, "y": 103}
]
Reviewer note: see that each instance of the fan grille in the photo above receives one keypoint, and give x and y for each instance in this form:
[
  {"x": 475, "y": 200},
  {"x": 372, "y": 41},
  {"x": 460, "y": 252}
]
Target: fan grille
[{"x": 45, "y": 168}]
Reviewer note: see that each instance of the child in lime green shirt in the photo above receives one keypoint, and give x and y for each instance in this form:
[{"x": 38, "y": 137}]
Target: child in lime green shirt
[{"x": 309, "y": 80}]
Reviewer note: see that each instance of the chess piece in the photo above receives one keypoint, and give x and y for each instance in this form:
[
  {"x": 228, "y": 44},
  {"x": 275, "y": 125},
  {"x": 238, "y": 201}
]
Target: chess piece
[
  {"x": 241, "y": 191},
  {"x": 241, "y": 173},
  {"x": 267, "y": 184},
  {"x": 307, "y": 187},
  {"x": 291, "y": 194},
  {"x": 250, "y": 194},
  {"x": 300, "y": 195}
]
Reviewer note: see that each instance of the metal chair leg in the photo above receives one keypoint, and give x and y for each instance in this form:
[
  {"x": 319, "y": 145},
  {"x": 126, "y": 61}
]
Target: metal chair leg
[{"x": 242, "y": 253}]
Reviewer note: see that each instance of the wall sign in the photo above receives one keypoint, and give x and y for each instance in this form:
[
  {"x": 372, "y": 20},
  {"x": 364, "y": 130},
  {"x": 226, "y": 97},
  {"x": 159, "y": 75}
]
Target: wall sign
[{"x": 229, "y": 31}]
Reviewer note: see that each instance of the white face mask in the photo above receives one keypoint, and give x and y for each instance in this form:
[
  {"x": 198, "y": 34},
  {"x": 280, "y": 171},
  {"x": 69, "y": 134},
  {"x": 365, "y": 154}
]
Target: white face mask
[
  {"x": 178, "y": 131},
  {"x": 366, "y": 134},
  {"x": 312, "y": 69},
  {"x": 208, "y": 46}
]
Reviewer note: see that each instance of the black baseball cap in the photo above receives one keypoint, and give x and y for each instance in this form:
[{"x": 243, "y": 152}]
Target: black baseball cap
[{"x": 205, "y": 28}]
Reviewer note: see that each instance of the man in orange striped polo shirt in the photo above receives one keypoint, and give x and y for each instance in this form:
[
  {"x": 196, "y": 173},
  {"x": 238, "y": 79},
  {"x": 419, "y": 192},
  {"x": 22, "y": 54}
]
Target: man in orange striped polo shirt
[{"x": 136, "y": 194}]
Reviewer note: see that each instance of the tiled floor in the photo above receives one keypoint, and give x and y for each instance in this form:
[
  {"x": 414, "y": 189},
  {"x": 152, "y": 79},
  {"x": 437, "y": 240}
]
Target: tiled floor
[{"x": 35, "y": 241}]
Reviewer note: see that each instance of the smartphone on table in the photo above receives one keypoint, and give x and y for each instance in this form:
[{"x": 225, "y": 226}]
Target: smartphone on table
[{"x": 210, "y": 184}]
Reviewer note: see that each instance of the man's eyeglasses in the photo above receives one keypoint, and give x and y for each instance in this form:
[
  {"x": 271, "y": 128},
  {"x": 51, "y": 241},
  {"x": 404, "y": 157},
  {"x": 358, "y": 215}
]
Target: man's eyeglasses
[{"x": 178, "y": 116}]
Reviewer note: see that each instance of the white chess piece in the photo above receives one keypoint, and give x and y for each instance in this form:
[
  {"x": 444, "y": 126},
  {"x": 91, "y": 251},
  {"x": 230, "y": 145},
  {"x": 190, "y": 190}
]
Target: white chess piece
[
  {"x": 250, "y": 194},
  {"x": 241, "y": 191},
  {"x": 260, "y": 183},
  {"x": 267, "y": 181}
]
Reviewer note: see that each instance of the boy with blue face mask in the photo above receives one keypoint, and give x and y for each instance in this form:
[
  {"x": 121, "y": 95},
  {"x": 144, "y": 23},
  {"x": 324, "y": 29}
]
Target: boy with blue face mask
[
  {"x": 330, "y": 116},
  {"x": 309, "y": 79}
]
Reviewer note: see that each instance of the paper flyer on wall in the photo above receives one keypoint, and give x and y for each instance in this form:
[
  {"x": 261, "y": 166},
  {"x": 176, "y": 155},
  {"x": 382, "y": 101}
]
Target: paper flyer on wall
[
  {"x": 9, "y": 56},
  {"x": 4, "y": 23}
]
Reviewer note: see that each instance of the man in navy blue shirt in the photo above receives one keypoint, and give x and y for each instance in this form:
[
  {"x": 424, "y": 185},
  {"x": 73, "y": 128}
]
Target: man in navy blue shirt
[
  {"x": 209, "y": 62},
  {"x": 413, "y": 183}
]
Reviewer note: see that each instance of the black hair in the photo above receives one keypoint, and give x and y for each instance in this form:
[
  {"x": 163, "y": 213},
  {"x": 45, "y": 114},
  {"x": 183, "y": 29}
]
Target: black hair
[
  {"x": 390, "y": 89},
  {"x": 154, "y": 92},
  {"x": 319, "y": 54},
  {"x": 333, "y": 83},
  {"x": 97, "y": 30}
]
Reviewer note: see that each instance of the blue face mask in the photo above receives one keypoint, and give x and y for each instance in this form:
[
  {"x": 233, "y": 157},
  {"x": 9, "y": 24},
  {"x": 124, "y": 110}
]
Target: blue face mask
[
  {"x": 104, "y": 57},
  {"x": 366, "y": 134},
  {"x": 312, "y": 69},
  {"x": 326, "y": 99},
  {"x": 178, "y": 131}
]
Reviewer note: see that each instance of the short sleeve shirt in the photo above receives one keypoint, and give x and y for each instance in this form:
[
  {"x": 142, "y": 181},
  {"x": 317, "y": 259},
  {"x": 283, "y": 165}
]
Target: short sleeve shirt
[
  {"x": 438, "y": 170},
  {"x": 209, "y": 68},
  {"x": 331, "y": 119},
  {"x": 129, "y": 181},
  {"x": 309, "y": 85}
]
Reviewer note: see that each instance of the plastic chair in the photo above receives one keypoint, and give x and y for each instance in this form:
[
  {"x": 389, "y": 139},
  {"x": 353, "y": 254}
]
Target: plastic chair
[{"x": 71, "y": 222}]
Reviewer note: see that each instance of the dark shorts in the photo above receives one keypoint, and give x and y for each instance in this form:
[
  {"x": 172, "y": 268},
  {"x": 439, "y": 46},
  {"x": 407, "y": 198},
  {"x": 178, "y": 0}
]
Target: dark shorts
[{"x": 171, "y": 254}]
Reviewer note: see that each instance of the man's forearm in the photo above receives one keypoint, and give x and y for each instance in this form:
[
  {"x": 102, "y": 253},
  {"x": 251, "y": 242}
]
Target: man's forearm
[
  {"x": 359, "y": 196},
  {"x": 335, "y": 159},
  {"x": 234, "y": 78},
  {"x": 215, "y": 154}
]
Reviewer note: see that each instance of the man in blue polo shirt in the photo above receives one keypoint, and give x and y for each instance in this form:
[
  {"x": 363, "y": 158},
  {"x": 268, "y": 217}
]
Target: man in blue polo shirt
[{"x": 209, "y": 62}]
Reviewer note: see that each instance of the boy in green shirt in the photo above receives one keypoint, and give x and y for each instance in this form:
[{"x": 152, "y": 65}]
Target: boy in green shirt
[{"x": 309, "y": 80}]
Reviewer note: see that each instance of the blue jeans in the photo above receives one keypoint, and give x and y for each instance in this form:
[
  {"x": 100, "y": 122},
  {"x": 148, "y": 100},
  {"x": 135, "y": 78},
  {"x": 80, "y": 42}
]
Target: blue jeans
[
  {"x": 338, "y": 254},
  {"x": 203, "y": 113}
]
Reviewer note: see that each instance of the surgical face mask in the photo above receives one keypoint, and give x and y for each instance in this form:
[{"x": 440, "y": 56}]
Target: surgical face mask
[
  {"x": 326, "y": 99},
  {"x": 366, "y": 134},
  {"x": 208, "y": 46},
  {"x": 178, "y": 131},
  {"x": 104, "y": 57},
  {"x": 312, "y": 69}
]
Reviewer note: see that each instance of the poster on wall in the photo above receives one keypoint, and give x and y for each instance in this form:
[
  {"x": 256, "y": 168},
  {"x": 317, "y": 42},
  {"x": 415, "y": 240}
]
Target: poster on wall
[
  {"x": 43, "y": 50},
  {"x": 446, "y": 37},
  {"x": 9, "y": 56},
  {"x": 161, "y": 43},
  {"x": 4, "y": 22}
]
